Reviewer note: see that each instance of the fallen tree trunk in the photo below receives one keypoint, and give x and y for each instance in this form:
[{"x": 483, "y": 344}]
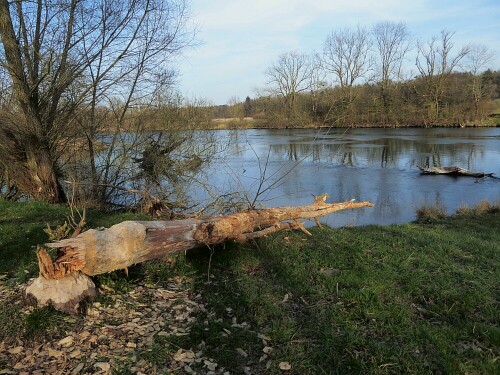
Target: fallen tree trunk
[
  {"x": 95, "y": 252},
  {"x": 453, "y": 171}
]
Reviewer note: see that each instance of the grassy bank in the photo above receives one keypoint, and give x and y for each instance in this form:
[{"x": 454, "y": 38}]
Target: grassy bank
[{"x": 413, "y": 298}]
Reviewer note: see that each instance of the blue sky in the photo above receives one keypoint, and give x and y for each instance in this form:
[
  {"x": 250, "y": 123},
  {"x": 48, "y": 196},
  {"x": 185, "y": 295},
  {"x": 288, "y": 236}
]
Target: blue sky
[{"x": 239, "y": 39}]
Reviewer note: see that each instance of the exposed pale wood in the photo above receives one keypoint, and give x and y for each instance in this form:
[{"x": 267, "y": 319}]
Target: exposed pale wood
[
  {"x": 453, "y": 171},
  {"x": 65, "y": 293},
  {"x": 64, "y": 283},
  {"x": 95, "y": 252}
]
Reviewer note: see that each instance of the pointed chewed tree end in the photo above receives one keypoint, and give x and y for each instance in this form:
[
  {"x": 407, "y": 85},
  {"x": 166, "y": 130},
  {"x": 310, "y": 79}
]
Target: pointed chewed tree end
[{"x": 64, "y": 294}]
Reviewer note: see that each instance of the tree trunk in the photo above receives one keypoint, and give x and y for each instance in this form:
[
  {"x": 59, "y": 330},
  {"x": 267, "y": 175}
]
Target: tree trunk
[
  {"x": 33, "y": 171},
  {"x": 38, "y": 176},
  {"x": 95, "y": 252},
  {"x": 44, "y": 182}
]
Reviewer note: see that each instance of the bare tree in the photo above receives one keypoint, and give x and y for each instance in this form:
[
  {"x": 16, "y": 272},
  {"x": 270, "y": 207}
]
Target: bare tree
[
  {"x": 66, "y": 58},
  {"x": 435, "y": 63},
  {"x": 235, "y": 107},
  {"x": 392, "y": 44},
  {"x": 346, "y": 55},
  {"x": 476, "y": 62},
  {"x": 289, "y": 76}
]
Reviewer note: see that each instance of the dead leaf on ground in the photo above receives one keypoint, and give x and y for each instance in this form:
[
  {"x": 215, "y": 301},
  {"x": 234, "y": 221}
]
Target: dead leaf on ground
[
  {"x": 242, "y": 352},
  {"x": 328, "y": 271},
  {"x": 285, "y": 366}
]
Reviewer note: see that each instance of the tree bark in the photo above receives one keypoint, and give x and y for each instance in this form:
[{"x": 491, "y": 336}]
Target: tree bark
[
  {"x": 130, "y": 242},
  {"x": 95, "y": 252},
  {"x": 31, "y": 162}
]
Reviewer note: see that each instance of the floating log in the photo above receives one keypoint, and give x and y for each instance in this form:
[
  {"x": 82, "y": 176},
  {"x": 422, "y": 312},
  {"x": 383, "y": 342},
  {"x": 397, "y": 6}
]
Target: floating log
[
  {"x": 96, "y": 252},
  {"x": 453, "y": 171}
]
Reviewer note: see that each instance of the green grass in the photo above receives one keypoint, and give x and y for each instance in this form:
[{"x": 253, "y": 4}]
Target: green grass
[{"x": 416, "y": 298}]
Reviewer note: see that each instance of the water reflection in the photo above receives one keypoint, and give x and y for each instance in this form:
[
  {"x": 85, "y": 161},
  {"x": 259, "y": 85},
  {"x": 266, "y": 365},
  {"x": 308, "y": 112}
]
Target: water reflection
[
  {"x": 384, "y": 152},
  {"x": 365, "y": 164}
]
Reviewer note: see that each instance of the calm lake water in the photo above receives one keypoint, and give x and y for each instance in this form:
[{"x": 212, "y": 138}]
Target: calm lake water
[{"x": 376, "y": 165}]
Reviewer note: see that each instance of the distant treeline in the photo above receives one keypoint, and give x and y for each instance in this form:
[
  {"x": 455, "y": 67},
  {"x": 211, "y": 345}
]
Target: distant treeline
[
  {"x": 360, "y": 79},
  {"x": 406, "y": 104}
]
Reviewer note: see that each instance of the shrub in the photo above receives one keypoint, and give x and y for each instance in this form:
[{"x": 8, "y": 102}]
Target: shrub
[{"x": 428, "y": 213}]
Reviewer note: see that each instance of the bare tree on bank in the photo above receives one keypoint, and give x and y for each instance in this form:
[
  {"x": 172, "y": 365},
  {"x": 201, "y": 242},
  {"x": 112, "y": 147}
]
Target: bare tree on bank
[
  {"x": 289, "y": 76},
  {"x": 476, "y": 62},
  {"x": 435, "y": 63},
  {"x": 392, "y": 44},
  {"x": 65, "y": 59},
  {"x": 346, "y": 55}
]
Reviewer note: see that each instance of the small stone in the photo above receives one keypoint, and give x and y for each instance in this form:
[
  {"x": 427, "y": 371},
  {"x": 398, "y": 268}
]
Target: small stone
[
  {"x": 131, "y": 345},
  {"x": 19, "y": 366}
]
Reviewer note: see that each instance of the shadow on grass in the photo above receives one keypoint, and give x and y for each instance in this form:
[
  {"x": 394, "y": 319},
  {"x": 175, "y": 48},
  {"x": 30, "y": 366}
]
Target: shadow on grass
[{"x": 399, "y": 299}]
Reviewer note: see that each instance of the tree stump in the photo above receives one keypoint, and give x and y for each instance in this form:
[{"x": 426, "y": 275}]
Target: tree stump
[{"x": 65, "y": 294}]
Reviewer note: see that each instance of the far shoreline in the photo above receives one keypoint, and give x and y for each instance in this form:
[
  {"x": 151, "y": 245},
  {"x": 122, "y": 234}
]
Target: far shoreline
[{"x": 249, "y": 123}]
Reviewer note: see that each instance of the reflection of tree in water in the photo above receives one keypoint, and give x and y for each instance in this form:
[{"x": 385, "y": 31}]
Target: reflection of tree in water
[
  {"x": 442, "y": 155},
  {"x": 348, "y": 158},
  {"x": 170, "y": 163},
  {"x": 433, "y": 159},
  {"x": 292, "y": 152},
  {"x": 382, "y": 151}
]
